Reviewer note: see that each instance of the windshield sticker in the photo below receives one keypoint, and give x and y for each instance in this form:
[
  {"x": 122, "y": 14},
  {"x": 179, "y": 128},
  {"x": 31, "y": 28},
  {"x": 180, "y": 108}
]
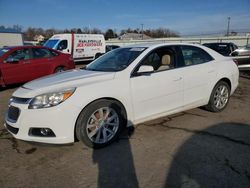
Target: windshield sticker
[{"x": 137, "y": 49}]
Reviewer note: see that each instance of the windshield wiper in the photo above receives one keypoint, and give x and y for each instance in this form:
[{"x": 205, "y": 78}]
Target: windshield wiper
[{"x": 89, "y": 69}]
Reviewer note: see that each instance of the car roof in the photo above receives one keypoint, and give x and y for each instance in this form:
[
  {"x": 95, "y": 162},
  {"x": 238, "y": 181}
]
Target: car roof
[
  {"x": 20, "y": 47},
  {"x": 218, "y": 43},
  {"x": 157, "y": 44},
  {"x": 154, "y": 45}
]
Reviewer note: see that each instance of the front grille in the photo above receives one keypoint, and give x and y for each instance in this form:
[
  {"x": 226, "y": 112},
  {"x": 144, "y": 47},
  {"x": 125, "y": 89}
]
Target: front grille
[
  {"x": 13, "y": 114},
  {"x": 20, "y": 100},
  {"x": 12, "y": 129}
]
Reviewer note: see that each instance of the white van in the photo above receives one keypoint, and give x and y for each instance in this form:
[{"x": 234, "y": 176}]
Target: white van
[{"x": 83, "y": 47}]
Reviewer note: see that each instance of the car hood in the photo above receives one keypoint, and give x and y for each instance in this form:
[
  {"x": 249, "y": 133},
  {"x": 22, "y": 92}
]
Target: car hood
[{"x": 60, "y": 81}]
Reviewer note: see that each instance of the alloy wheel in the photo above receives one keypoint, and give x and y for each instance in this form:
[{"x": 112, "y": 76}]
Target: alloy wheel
[{"x": 102, "y": 125}]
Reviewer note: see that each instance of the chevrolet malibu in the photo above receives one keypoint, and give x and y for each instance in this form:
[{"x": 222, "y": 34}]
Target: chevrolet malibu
[
  {"x": 20, "y": 64},
  {"x": 126, "y": 86}
]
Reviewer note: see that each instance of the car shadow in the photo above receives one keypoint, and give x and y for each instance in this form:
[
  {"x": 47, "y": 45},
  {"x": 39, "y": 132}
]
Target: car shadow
[
  {"x": 215, "y": 157},
  {"x": 12, "y": 86},
  {"x": 115, "y": 163}
]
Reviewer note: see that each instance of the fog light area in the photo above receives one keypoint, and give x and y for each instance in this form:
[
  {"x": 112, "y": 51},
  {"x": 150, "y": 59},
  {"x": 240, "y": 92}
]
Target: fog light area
[{"x": 43, "y": 132}]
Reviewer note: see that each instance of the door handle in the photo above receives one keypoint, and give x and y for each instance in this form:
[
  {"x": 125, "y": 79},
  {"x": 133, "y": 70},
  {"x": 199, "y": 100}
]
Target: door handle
[
  {"x": 26, "y": 62},
  {"x": 177, "y": 79},
  {"x": 211, "y": 71}
]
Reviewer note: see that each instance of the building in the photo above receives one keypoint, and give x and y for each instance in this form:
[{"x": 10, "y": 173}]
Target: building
[
  {"x": 39, "y": 38},
  {"x": 134, "y": 36}
]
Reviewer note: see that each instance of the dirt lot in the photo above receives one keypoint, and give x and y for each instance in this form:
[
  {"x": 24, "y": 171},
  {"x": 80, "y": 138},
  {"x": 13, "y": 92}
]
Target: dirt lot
[{"x": 195, "y": 148}]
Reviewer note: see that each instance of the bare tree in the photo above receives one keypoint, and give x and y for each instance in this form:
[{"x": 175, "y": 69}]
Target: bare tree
[
  {"x": 110, "y": 34},
  {"x": 96, "y": 31},
  {"x": 29, "y": 34},
  {"x": 85, "y": 30},
  {"x": 18, "y": 28},
  {"x": 78, "y": 30},
  {"x": 50, "y": 32}
]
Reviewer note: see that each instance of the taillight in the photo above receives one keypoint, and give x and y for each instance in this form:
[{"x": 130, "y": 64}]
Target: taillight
[{"x": 236, "y": 62}]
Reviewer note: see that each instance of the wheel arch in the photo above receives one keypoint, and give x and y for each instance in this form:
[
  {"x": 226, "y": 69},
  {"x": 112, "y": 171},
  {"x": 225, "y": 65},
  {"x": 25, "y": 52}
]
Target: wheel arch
[
  {"x": 227, "y": 80},
  {"x": 103, "y": 98},
  {"x": 57, "y": 67},
  {"x": 209, "y": 105},
  {"x": 97, "y": 55}
]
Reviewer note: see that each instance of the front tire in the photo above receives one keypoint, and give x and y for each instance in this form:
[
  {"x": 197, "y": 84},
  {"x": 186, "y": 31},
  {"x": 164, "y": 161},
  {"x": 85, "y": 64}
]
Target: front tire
[
  {"x": 98, "y": 55},
  {"x": 219, "y": 97},
  {"x": 100, "y": 123}
]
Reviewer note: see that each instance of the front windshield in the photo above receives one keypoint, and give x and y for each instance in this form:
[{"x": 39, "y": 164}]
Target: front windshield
[
  {"x": 51, "y": 43},
  {"x": 116, "y": 60},
  {"x": 3, "y": 51},
  {"x": 223, "y": 49}
]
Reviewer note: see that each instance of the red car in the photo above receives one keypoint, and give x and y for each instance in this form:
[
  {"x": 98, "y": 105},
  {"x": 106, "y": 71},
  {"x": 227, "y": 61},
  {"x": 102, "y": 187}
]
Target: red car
[{"x": 24, "y": 63}]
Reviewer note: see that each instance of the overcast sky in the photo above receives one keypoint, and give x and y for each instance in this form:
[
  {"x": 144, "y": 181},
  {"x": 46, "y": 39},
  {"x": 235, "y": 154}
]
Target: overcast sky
[{"x": 185, "y": 17}]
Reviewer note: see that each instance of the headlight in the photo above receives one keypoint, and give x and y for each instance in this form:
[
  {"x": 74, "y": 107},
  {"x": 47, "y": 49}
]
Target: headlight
[{"x": 50, "y": 99}]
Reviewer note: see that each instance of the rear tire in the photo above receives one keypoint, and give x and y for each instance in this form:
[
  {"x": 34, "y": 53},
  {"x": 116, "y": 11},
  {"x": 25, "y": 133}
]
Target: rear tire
[
  {"x": 100, "y": 123},
  {"x": 59, "y": 69},
  {"x": 219, "y": 97}
]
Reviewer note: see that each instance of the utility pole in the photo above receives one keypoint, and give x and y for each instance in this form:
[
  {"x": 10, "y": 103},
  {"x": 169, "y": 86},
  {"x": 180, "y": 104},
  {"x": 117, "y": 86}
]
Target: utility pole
[
  {"x": 228, "y": 25},
  {"x": 142, "y": 31}
]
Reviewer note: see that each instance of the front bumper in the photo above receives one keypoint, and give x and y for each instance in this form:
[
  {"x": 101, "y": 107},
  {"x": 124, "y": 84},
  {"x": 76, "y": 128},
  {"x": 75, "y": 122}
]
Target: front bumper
[{"x": 60, "y": 119}]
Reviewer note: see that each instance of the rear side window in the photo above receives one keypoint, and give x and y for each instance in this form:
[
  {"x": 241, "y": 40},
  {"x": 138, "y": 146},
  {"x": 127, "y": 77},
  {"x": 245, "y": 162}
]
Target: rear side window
[
  {"x": 193, "y": 55},
  {"x": 41, "y": 53},
  {"x": 54, "y": 53}
]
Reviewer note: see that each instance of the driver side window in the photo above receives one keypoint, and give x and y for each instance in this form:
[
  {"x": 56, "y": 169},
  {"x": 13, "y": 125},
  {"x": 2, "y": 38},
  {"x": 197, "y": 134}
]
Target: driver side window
[
  {"x": 62, "y": 45},
  {"x": 160, "y": 59}
]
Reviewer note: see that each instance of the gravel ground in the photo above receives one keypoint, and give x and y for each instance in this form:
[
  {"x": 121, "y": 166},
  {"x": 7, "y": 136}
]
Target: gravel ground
[{"x": 195, "y": 148}]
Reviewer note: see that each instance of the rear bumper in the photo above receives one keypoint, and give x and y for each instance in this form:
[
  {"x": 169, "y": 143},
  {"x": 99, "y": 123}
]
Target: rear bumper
[
  {"x": 243, "y": 62},
  {"x": 244, "y": 67}
]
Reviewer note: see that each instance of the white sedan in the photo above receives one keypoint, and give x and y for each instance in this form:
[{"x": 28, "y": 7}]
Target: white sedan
[{"x": 126, "y": 86}]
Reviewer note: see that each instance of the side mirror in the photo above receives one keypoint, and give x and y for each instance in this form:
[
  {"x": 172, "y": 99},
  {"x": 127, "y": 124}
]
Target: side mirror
[
  {"x": 145, "y": 69},
  {"x": 60, "y": 48}
]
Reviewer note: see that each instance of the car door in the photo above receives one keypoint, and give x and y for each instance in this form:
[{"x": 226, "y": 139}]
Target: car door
[
  {"x": 41, "y": 63},
  {"x": 64, "y": 47},
  {"x": 198, "y": 70},
  {"x": 159, "y": 91},
  {"x": 15, "y": 68}
]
